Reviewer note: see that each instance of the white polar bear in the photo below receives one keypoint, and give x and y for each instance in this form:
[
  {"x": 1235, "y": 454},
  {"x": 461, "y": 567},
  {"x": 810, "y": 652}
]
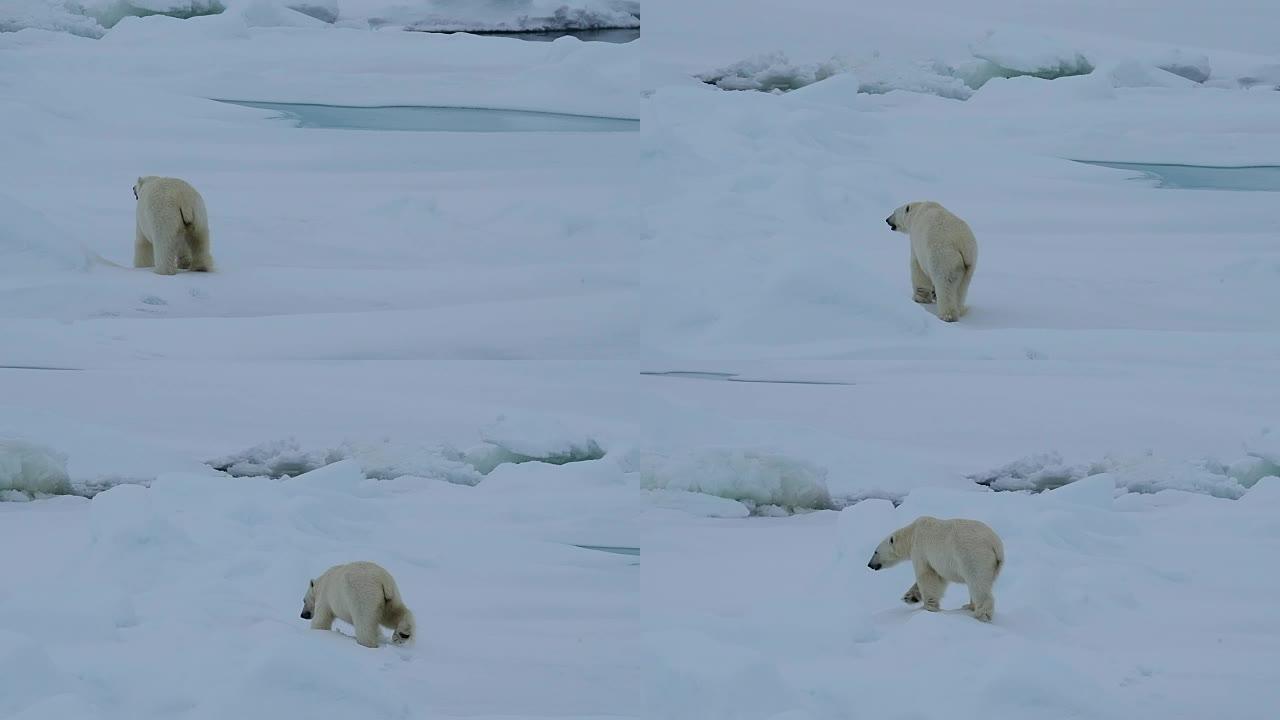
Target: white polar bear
[
  {"x": 172, "y": 228},
  {"x": 363, "y": 594},
  {"x": 943, "y": 551},
  {"x": 943, "y": 255}
]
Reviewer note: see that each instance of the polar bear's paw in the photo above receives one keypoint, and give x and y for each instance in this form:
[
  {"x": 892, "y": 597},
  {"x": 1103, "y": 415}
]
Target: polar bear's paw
[{"x": 924, "y": 297}]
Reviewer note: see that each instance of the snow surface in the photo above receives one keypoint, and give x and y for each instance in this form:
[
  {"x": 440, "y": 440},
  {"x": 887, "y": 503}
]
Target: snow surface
[
  {"x": 444, "y": 352},
  {"x": 1107, "y": 607}
]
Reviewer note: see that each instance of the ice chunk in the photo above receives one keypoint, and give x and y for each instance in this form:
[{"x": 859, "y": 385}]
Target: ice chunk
[
  {"x": 1043, "y": 471},
  {"x": 32, "y": 470},
  {"x": 546, "y": 439},
  {"x": 1264, "y": 76},
  {"x": 1156, "y": 475},
  {"x": 879, "y": 77},
  {"x": 1028, "y": 54},
  {"x": 771, "y": 72},
  {"x": 532, "y": 16},
  {"x": 1183, "y": 64},
  {"x": 1145, "y": 474},
  {"x": 276, "y": 458},
  {"x": 55, "y": 15},
  {"x": 755, "y": 478}
]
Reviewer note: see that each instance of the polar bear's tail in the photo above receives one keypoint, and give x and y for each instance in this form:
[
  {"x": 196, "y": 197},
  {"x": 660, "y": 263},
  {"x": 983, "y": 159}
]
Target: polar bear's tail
[
  {"x": 184, "y": 211},
  {"x": 391, "y": 594}
]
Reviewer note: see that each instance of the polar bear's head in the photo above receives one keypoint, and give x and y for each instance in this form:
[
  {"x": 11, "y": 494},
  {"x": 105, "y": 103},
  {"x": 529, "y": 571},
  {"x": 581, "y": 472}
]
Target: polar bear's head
[
  {"x": 891, "y": 551},
  {"x": 901, "y": 217},
  {"x": 309, "y": 601},
  {"x": 405, "y": 629}
]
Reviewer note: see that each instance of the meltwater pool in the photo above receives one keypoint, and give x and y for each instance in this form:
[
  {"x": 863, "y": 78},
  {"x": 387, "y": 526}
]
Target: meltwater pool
[
  {"x": 421, "y": 118},
  {"x": 1264, "y": 178}
]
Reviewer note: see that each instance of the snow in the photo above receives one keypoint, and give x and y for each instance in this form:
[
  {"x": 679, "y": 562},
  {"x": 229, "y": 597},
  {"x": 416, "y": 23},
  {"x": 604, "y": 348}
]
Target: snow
[
  {"x": 473, "y": 357},
  {"x": 197, "y": 584},
  {"x": 1105, "y": 608},
  {"x": 1113, "y": 382}
]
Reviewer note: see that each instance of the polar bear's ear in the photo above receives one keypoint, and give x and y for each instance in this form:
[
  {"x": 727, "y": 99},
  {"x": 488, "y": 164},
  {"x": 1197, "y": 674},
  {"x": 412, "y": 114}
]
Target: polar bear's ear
[
  {"x": 890, "y": 539},
  {"x": 313, "y": 583}
]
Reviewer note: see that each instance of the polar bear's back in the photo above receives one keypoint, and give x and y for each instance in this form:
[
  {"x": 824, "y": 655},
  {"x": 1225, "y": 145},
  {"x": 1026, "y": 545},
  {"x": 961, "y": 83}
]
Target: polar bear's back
[
  {"x": 957, "y": 549},
  {"x": 355, "y": 586},
  {"x": 935, "y": 229},
  {"x": 165, "y": 202}
]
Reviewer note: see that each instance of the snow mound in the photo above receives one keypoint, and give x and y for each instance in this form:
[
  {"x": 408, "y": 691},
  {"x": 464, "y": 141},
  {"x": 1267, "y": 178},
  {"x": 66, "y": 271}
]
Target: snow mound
[
  {"x": 766, "y": 483},
  {"x": 29, "y": 243},
  {"x": 28, "y": 470},
  {"x": 126, "y": 517}
]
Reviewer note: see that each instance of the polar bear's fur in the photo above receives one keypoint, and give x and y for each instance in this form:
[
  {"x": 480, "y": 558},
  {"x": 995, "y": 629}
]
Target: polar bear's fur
[
  {"x": 943, "y": 551},
  {"x": 363, "y": 594},
  {"x": 172, "y": 227},
  {"x": 943, "y": 255}
]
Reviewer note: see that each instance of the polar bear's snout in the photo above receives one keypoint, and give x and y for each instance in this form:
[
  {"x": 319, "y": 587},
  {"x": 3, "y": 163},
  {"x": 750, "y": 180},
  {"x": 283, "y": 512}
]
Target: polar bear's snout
[
  {"x": 889, "y": 221},
  {"x": 874, "y": 564},
  {"x": 306, "y": 614}
]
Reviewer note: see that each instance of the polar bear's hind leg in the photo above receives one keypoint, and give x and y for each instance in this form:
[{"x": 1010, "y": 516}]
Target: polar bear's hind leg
[
  {"x": 143, "y": 253},
  {"x": 198, "y": 241},
  {"x": 949, "y": 298}
]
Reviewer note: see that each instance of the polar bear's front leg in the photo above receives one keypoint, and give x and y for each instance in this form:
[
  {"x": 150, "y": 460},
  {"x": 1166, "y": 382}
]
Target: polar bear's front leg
[
  {"x": 921, "y": 283},
  {"x": 142, "y": 251},
  {"x": 912, "y": 595},
  {"x": 322, "y": 619},
  {"x": 930, "y": 584}
]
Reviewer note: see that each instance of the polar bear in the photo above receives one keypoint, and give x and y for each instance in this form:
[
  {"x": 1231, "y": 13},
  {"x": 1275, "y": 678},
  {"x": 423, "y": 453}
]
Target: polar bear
[
  {"x": 363, "y": 594},
  {"x": 172, "y": 227},
  {"x": 943, "y": 255},
  {"x": 943, "y": 551}
]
